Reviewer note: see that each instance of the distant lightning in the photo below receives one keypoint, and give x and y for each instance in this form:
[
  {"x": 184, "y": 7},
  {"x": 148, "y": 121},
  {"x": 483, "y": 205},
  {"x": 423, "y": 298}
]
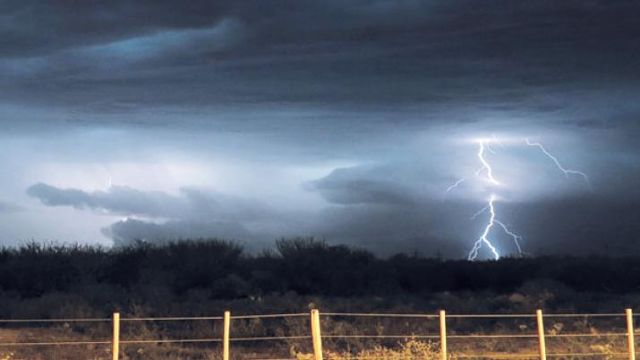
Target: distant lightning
[
  {"x": 455, "y": 185},
  {"x": 555, "y": 160},
  {"x": 479, "y": 212}
]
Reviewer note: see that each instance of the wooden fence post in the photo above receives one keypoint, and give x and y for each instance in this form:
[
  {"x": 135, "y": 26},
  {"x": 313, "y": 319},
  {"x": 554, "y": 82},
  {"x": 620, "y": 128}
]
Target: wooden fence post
[
  {"x": 316, "y": 336},
  {"x": 226, "y": 335},
  {"x": 115, "y": 344},
  {"x": 443, "y": 335},
  {"x": 631, "y": 342},
  {"x": 541, "y": 342}
]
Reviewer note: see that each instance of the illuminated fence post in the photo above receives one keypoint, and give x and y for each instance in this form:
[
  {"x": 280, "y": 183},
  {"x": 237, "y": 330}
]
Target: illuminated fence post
[
  {"x": 443, "y": 335},
  {"x": 316, "y": 336},
  {"x": 631, "y": 342},
  {"x": 115, "y": 345},
  {"x": 226, "y": 335},
  {"x": 541, "y": 342}
]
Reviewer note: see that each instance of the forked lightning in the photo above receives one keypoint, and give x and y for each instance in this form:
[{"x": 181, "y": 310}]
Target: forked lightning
[{"x": 487, "y": 170}]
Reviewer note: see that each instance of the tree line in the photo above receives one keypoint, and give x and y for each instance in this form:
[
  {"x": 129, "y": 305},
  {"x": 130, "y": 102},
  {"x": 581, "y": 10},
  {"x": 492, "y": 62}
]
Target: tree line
[{"x": 223, "y": 270}]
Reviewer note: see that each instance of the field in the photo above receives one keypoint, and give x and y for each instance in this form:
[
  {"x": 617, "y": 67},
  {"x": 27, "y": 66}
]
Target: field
[
  {"x": 195, "y": 282},
  {"x": 343, "y": 336}
]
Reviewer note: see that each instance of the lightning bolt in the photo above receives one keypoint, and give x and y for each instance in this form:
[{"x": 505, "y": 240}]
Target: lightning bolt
[
  {"x": 482, "y": 146},
  {"x": 493, "y": 221},
  {"x": 484, "y": 238},
  {"x": 555, "y": 160},
  {"x": 473, "y": 254},
  {"x": 485, "y": 164}
]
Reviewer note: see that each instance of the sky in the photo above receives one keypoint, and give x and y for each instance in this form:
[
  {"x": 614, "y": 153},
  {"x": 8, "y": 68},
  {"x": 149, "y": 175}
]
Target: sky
[{"x": 347, "y": 121}]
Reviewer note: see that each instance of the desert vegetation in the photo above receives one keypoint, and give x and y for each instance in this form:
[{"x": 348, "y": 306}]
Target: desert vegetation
[
  {"x": 207, "y": 277},
  {"x": 98, "y": 280}
]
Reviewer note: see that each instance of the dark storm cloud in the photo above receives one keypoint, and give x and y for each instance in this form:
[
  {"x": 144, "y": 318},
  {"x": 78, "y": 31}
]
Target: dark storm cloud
[
  {"x": 576, "y": 226},
  {"x": 384, "y": 208},
  {"x": 495, "y": 54},
  {"x": 188, "y": 204},
  {"x": 381, "y": 207},
  {"x": 31, "y": 28},
  {"x": 390, "y": 208},
  {"x": 390, "y": 229},
  {"x": 581, "y": 226},
  {"x": 386, "y": 85},
  {"x": 367, "y": 185}
]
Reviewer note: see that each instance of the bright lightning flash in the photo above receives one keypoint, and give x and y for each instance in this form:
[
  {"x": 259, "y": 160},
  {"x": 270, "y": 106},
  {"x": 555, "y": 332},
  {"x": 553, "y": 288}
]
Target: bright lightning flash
[
  {"x": 482, "y": 145},
  {"x": 485, "y": 144},
  {"x": 493, "y": 221},
  {"x": 485, "y": 165},
  {"x": 484, "y": 238},
  {"x": 473, "y": 254}
]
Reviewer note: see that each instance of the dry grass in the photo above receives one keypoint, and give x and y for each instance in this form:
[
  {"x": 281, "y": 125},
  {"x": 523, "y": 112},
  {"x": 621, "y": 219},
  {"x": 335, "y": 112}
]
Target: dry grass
[
  {"x": 414, "y": 349},
  {"x": 407, "y": 350},
  {"x": 599, "y": 340}
]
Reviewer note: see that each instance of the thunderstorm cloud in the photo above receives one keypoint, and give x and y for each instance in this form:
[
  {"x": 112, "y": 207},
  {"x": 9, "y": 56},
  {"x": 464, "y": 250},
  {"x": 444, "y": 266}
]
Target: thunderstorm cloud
[{"x": 154, "y": 120}]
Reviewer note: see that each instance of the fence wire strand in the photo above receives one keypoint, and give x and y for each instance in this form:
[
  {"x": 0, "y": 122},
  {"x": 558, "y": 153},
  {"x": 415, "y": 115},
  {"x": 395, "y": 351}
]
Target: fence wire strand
[
  {"x": 54, "y": 343},
  {"x": 427, "y": 316},
  {"x": 178, "y": 318},
  {"x": 268, "y": 316},
  {"x": 26, "y": 321}
]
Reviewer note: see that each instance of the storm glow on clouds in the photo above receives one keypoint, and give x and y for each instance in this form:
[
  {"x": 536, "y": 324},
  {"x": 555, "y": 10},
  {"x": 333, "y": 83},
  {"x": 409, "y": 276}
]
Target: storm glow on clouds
[{"x": 347, "y": 121}]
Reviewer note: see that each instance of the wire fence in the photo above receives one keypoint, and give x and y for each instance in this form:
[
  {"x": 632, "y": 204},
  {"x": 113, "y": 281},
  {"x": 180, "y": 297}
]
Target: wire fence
[{"x": 451, "y": 339}]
